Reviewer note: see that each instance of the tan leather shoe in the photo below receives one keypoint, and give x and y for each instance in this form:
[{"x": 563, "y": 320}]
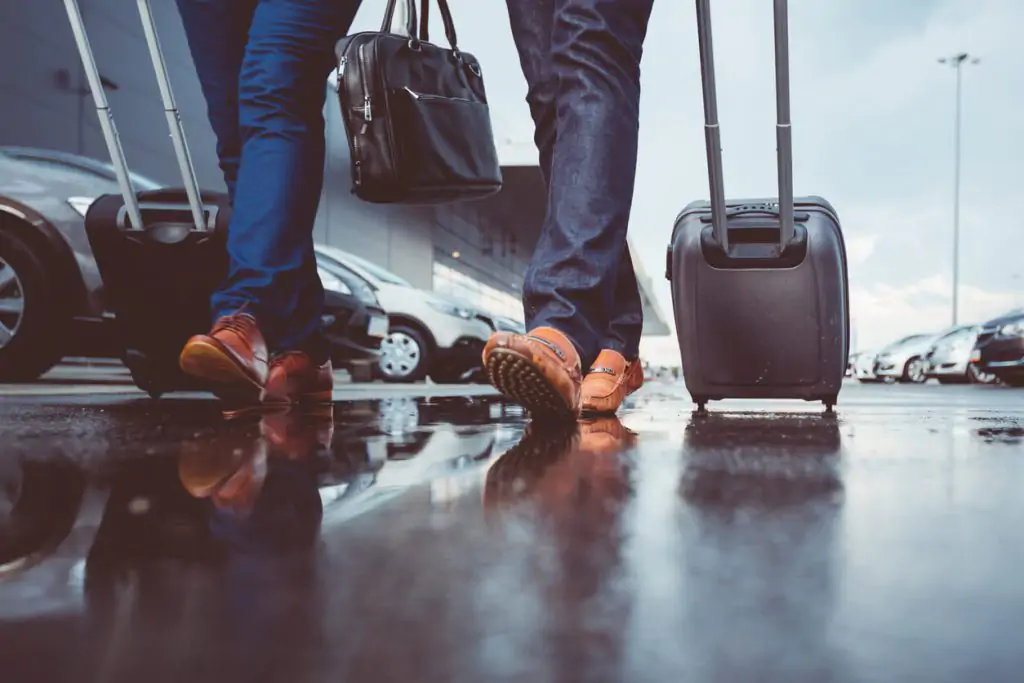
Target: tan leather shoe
[
  {"x": 231, "y": 359},
  {"x": 610, "y": 380},
  {"x": 295, "y": 378},
  {"x": 540, "y": 371}
]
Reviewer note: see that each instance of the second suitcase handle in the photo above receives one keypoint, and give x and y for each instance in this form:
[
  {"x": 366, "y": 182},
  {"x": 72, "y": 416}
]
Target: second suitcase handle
[{"x": 783, "y": 129}]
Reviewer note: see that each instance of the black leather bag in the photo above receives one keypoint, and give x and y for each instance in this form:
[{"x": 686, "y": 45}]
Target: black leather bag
[{"x": 416, "y": 115}]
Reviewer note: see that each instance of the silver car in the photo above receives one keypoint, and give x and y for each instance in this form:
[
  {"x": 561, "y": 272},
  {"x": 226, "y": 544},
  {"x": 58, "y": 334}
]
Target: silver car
[
  {"x": 51, "y": 294},
  {"x": 949, "y": 358},
  {"x": 904, "y": 359}
]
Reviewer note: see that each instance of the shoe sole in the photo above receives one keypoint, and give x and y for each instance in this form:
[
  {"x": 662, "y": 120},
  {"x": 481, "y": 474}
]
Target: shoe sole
[
  {"x": 517, "y": 378},
  {"x": 226, "y": 378}
]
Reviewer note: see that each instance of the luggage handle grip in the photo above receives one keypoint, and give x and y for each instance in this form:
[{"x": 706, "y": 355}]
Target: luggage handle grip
[
  {"x": 798, "y": 216},
  {"x": 783, "y": 130}
]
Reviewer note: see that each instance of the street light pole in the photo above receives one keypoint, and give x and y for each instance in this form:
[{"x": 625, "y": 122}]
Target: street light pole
[{"x": 957, "y": 61}]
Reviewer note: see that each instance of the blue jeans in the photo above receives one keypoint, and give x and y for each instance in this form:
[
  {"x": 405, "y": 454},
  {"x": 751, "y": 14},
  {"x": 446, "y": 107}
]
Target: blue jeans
[
  {"x": 581, "y": 59},
  {"x": 263, "y": 67}
]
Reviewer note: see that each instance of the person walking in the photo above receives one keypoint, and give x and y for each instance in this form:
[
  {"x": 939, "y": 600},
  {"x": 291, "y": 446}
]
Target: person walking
[
  {"x": 263, "y": 67},
  {"x": 581, "y": 60}
]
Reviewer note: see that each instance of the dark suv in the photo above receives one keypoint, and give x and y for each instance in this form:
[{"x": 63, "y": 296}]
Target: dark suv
[{"x": 1000, "y": 348}]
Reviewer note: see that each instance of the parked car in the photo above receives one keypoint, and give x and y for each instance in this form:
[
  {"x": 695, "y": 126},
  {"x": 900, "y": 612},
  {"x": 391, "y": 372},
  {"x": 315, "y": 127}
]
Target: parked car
[
  {"x": 903, "y": 360},
  {"x": 427, "y": 334},
  {"x": 949, "y": 358},
  {"x": 999, "y": 348},
  {"x": 51, "y": 294},
  {"x": 353, "y": 320},
  {"x": 862, "y": 366}
]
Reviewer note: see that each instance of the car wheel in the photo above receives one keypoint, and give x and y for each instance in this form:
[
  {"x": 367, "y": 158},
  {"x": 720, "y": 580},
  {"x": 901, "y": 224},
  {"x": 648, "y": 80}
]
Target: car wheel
[
  {"x": 31, "y": 320},
  {"x": 914, "y": 372},
  {"x": 403, "y": 355},
  {"x": 976, "y": 376}
]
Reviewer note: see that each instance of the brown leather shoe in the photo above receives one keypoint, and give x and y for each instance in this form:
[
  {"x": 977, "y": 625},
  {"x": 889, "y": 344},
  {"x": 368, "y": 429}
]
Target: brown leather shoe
[
  {"x": 295, "y": 378},
  {"x": 610, "y": 380},
  {"x": 231, "y": 359},
  {"x": 539, "y": 371}
]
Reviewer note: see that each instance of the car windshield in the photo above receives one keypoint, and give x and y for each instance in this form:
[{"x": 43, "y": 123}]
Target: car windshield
[
  {"x": 912, "y": 338},
  {"x": 376, "y": 271},
  {"x": 338, "y": 270}
]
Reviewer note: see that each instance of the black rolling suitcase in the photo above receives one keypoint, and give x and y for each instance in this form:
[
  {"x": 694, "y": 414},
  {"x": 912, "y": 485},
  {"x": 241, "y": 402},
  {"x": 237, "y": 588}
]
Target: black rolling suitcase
[
  {"x": 759, "y": 286},
  {"x": 161, "y": 254}
]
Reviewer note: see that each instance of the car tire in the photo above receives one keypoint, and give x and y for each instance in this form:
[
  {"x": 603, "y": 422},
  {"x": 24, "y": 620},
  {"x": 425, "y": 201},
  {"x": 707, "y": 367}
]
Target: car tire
[
  {"x": 914, "y": 372},
  {"x": 404, "y": 355},
  {"x": 38, "y": 328},
  {"x": 976, "y": 376}
]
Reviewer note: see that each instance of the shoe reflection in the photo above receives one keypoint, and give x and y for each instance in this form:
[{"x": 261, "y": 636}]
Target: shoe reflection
[
  {"x": 264, "y": 497},
  {"x": 562, "y": 465}
]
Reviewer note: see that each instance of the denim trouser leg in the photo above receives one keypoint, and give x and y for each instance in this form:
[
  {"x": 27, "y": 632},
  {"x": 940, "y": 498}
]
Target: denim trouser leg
[
  {"x": 581, "y": 60},
  {"x": 280, "y": 88},
  {"x": 217, "y": 33}
]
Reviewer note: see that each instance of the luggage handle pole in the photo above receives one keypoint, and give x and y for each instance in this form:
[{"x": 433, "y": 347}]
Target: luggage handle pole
[
  {"x": 712, "y": 132},
  {"x": 783, "y": 128},
  {"x": 177, "y": 131},
  {"x": 106, "y": 117}
]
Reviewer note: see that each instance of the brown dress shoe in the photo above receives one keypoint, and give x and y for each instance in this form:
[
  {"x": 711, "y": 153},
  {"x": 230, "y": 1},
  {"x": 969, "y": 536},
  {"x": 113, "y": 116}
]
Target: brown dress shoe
[
  {"x": 295, "y": 378},
  {"x": 610, "y": 380},
  {"x": 539, "y": 371},
  {"x": 231, "y": 359}
]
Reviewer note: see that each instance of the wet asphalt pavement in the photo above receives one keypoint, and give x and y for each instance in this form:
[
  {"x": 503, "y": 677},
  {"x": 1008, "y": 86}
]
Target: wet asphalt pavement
[{"x": 443, "y": 540}]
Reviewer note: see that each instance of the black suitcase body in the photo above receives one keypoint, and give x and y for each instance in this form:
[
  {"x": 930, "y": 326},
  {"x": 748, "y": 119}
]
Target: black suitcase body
[
  {"x": 760, "y": 288},
  {"x": 158, "y": 281},
  {"x": 753, "y": 322},
  {"x": 161, "y": 254}
]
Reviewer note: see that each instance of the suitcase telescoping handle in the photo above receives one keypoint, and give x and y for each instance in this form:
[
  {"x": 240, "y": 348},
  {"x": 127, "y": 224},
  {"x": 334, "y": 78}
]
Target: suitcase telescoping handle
[
  {"x": 109, "y": 128},
  {"x": 783, "y": 131}
]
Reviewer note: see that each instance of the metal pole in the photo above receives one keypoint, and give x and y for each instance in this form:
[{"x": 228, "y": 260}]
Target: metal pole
[
  {"x": 957, "y": 62},
  {"x": 956, "y": 197}
]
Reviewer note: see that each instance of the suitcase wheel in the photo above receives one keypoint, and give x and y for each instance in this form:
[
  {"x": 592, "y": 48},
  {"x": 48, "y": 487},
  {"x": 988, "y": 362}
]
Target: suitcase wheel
[
  {"x": 830, "y": 402},
  {"x": 702, "y": 405},
  {"x": 142, "y": 374}
]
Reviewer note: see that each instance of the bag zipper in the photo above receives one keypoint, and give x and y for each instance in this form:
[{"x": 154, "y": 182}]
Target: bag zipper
[
  {"x": 367, "y": 106},
  {"x": 422, "y": 96}
]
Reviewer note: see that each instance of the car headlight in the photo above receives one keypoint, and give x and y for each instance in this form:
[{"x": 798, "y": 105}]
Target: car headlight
[
  {"x": 451, "y": 309},
  {"x": 80, "y": 204},
  {"x": 1012, "y": 330}
]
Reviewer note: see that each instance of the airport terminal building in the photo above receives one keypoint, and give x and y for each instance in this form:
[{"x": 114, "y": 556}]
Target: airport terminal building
[{"x": 477, "y": 250}]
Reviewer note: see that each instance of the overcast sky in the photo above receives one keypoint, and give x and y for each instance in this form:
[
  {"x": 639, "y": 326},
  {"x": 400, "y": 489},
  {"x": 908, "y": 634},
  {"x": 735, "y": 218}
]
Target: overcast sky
[{"x": 873, "y": 116}]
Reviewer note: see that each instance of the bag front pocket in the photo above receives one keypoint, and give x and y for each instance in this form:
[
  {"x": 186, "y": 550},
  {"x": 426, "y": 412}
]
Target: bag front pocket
[{"x": 443, "y": 142}]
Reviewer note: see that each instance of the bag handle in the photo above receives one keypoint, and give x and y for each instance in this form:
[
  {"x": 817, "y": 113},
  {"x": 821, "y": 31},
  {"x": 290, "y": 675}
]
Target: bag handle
[
  {"x": 423, "y": 32},
  {"x": 783, "y": 130},
  {"x": 410, "y": 18}
]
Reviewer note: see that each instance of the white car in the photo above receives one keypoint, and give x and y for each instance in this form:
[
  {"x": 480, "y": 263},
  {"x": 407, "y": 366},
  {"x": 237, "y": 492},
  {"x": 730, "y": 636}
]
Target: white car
[
  {"x": 904, "y": 359},
  {"x": 427, "y": 335}
]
